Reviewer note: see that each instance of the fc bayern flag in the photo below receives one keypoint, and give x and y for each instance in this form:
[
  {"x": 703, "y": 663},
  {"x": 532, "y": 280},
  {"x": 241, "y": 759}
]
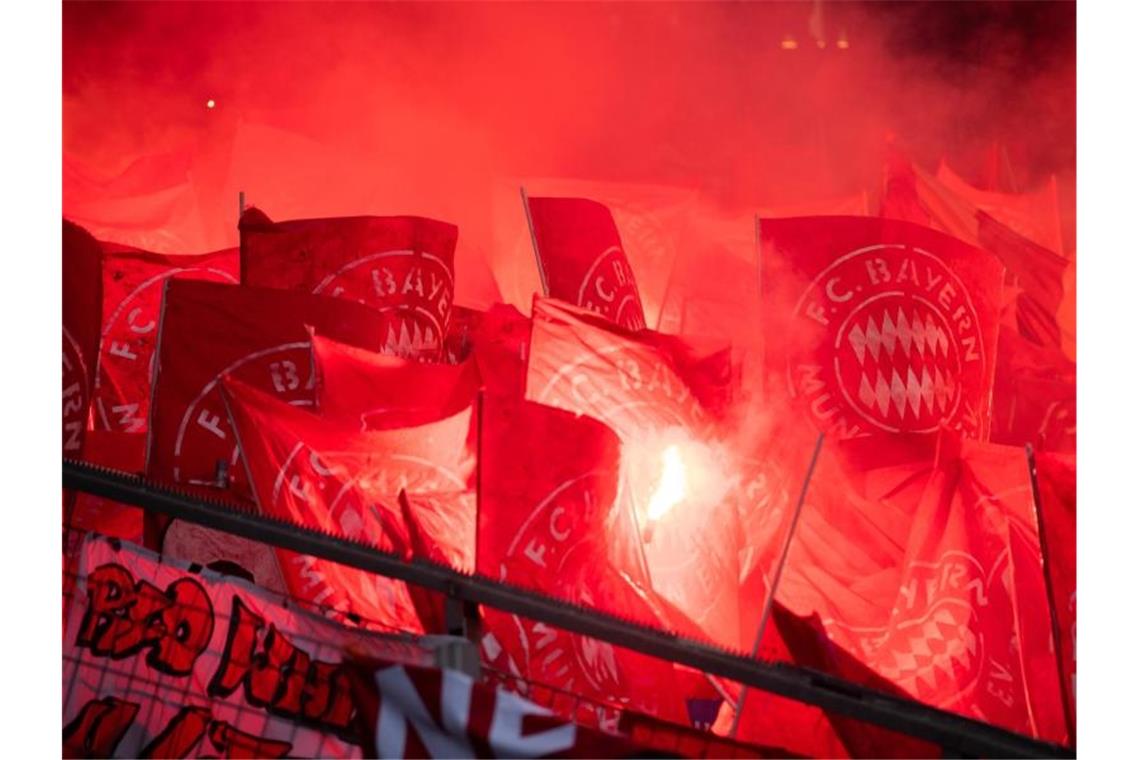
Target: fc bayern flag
[
  {"x": 132, "y": 298},
  {"x": 582, "y": 260},
  {"x": 382, "y": 391},
  {"x": 257, "y": 335},
  {"x": 878, "y": 327},
  {"x": 82, "y": 306},
  {"x": 550, "y": 520},
  {"x": 403, "y": 266},
  {"x": 322, "y": 474},
  {"x": 935, "y": 591},
  {"x": 648, "y": 387}
]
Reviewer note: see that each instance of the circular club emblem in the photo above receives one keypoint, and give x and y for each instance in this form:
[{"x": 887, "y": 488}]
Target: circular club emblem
[
  {"x": 205, "y": 447},
  {"x": 75, "y": 395},
  {"x": 893, "y": 344},
  {"x": 609, "y": 289},
  {"x": 550, "y": 549},
  {"x": 948, "y": 640},
  {"x": 126, "y": 351},
  {"x": 414, "y": 289}
]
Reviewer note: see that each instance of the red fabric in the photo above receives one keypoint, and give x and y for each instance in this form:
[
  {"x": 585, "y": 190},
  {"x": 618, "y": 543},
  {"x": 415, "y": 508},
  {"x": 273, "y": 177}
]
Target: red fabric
[
  {"x": 1037, "y": 271},
  {"x": 916, "y": 582},
  {"x": 1057, "y": 490},
  {"x": 403, "y": 266},
  {"x": 583, "y": 260},
  {"x": 132, "y": 299},
  {"x": 124, "y": 452},
  {"x": 257, "y": 335},
  {"x": 645, "y": 387},
  {"x": 501, "y": 344},
  {"x": 82, "y": 305},
  {"x": 440, "y": 528},
  {"x": 877, "y": 327},
  {"x": 549, "y": 520},
  {"x": 317, "y": 473},
  {"x": 382, "y": 392},
  {"x": 1035, "y": 395}
]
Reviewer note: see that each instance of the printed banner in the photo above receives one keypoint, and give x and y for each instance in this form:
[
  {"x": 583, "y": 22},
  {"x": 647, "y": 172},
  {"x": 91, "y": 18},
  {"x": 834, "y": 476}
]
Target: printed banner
[{"x": 162, "y": 661}]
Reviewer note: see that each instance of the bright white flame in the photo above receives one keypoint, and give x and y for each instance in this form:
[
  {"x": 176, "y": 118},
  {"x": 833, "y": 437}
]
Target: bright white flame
[{"x": 671, "y": 487}]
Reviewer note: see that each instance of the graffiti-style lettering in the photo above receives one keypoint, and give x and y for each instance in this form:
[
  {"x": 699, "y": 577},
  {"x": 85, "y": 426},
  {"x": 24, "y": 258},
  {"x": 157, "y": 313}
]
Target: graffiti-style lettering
[{"x": 98, "y": 728}]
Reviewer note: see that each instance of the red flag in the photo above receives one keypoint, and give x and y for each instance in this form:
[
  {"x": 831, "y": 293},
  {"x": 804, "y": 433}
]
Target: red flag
[
  {"x": 1037, "y": 271},
  {"x": 258, "y": 335},
  {"x": 1035, "y": 395},
  {"x": 644, "y": 385},
  {"x": 944, "y": 617},
  {"x": 581, "y": 257},
  {"x": 314, "y": 472},
  {"x": 441, "y": 528},
  {"x": 501, "y": 344},
  {"x": 132, "y": 297},
  {"x": 879, "y": 327},
  {"x": 1034, "y": 215},
  {"x": 124, "y": 452},
  {"x": 402, "y": 265},
  {"x": 82, "y": 303},
  {"x": 549, "y": 519},
  {"x": 385, "y": 392},
  {"x": 1057, "y": 501}
]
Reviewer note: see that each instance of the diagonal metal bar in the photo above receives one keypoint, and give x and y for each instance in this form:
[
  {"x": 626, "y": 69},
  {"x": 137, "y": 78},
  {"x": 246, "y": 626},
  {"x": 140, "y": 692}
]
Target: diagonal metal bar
[{"x": 956, "y": 734}]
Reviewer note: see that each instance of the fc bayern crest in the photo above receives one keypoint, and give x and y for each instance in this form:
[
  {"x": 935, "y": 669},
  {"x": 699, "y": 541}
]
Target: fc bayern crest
[
  {"x": 891, "y": 343},
  {"x": 413, "y": 289},
  {"x": 548, "y": 550},
  {"x": 75, "y": 395},
  {"x": 608, "y": 288},
  {"x": 205, "y": 437}
]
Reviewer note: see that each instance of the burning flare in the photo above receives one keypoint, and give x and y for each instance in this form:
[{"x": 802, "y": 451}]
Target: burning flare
[{"x": 671, "y": 487}]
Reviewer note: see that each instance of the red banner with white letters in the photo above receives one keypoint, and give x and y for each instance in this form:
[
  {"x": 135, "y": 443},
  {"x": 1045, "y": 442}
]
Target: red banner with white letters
[
  {"x": 878, "y": 327},
  {"x": 132, "y": 300},
  {"x": 82, "y": 298},
  {"x": 581, "y": 257},
  {"x": 403, "y": 266},
  {"x": 326, "y": 475},
  {"x": 163, "y": 661}
]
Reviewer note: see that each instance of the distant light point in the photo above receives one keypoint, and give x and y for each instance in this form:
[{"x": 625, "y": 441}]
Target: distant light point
[{"x": 210, "y": 103}]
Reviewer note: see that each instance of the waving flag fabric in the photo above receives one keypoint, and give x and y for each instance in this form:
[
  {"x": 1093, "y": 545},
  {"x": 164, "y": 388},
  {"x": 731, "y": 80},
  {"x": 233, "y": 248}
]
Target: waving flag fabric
[
  {"x": 82, "y": 303},
  {"x": 382, "y": 391},
  {"x": 132, "y": 298},
  {"x": 315, "y": 472},
  {"x": 924, "y": 571},
  {"x": 582, "y": 259},
  {"x": 550, "y": 520},
  {"x": 402, "y": 266},
  {"x": 645, "y": 387},
  {"x": 878, "y": 327},
  {"x": 258, "y": 335},
  {"x": 1057, "y": 491}
]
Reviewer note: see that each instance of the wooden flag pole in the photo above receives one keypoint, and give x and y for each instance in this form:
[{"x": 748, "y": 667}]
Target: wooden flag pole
[
  {"x": 1031, "y": 459},
  {"x": 534, "y": 241},
  {"x": 766, "y": 614}
]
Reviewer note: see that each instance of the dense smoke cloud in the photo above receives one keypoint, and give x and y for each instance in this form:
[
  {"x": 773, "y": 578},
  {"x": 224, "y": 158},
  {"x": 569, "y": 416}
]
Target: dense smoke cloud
[{"x": 326, "y": 109}]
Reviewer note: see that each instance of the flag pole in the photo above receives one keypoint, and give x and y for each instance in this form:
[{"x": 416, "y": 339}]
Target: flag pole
[
  {"x": 766, "y": 614},
  {"x": 1031, "y": 459},
  {"x": 534, "y": 241}
]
